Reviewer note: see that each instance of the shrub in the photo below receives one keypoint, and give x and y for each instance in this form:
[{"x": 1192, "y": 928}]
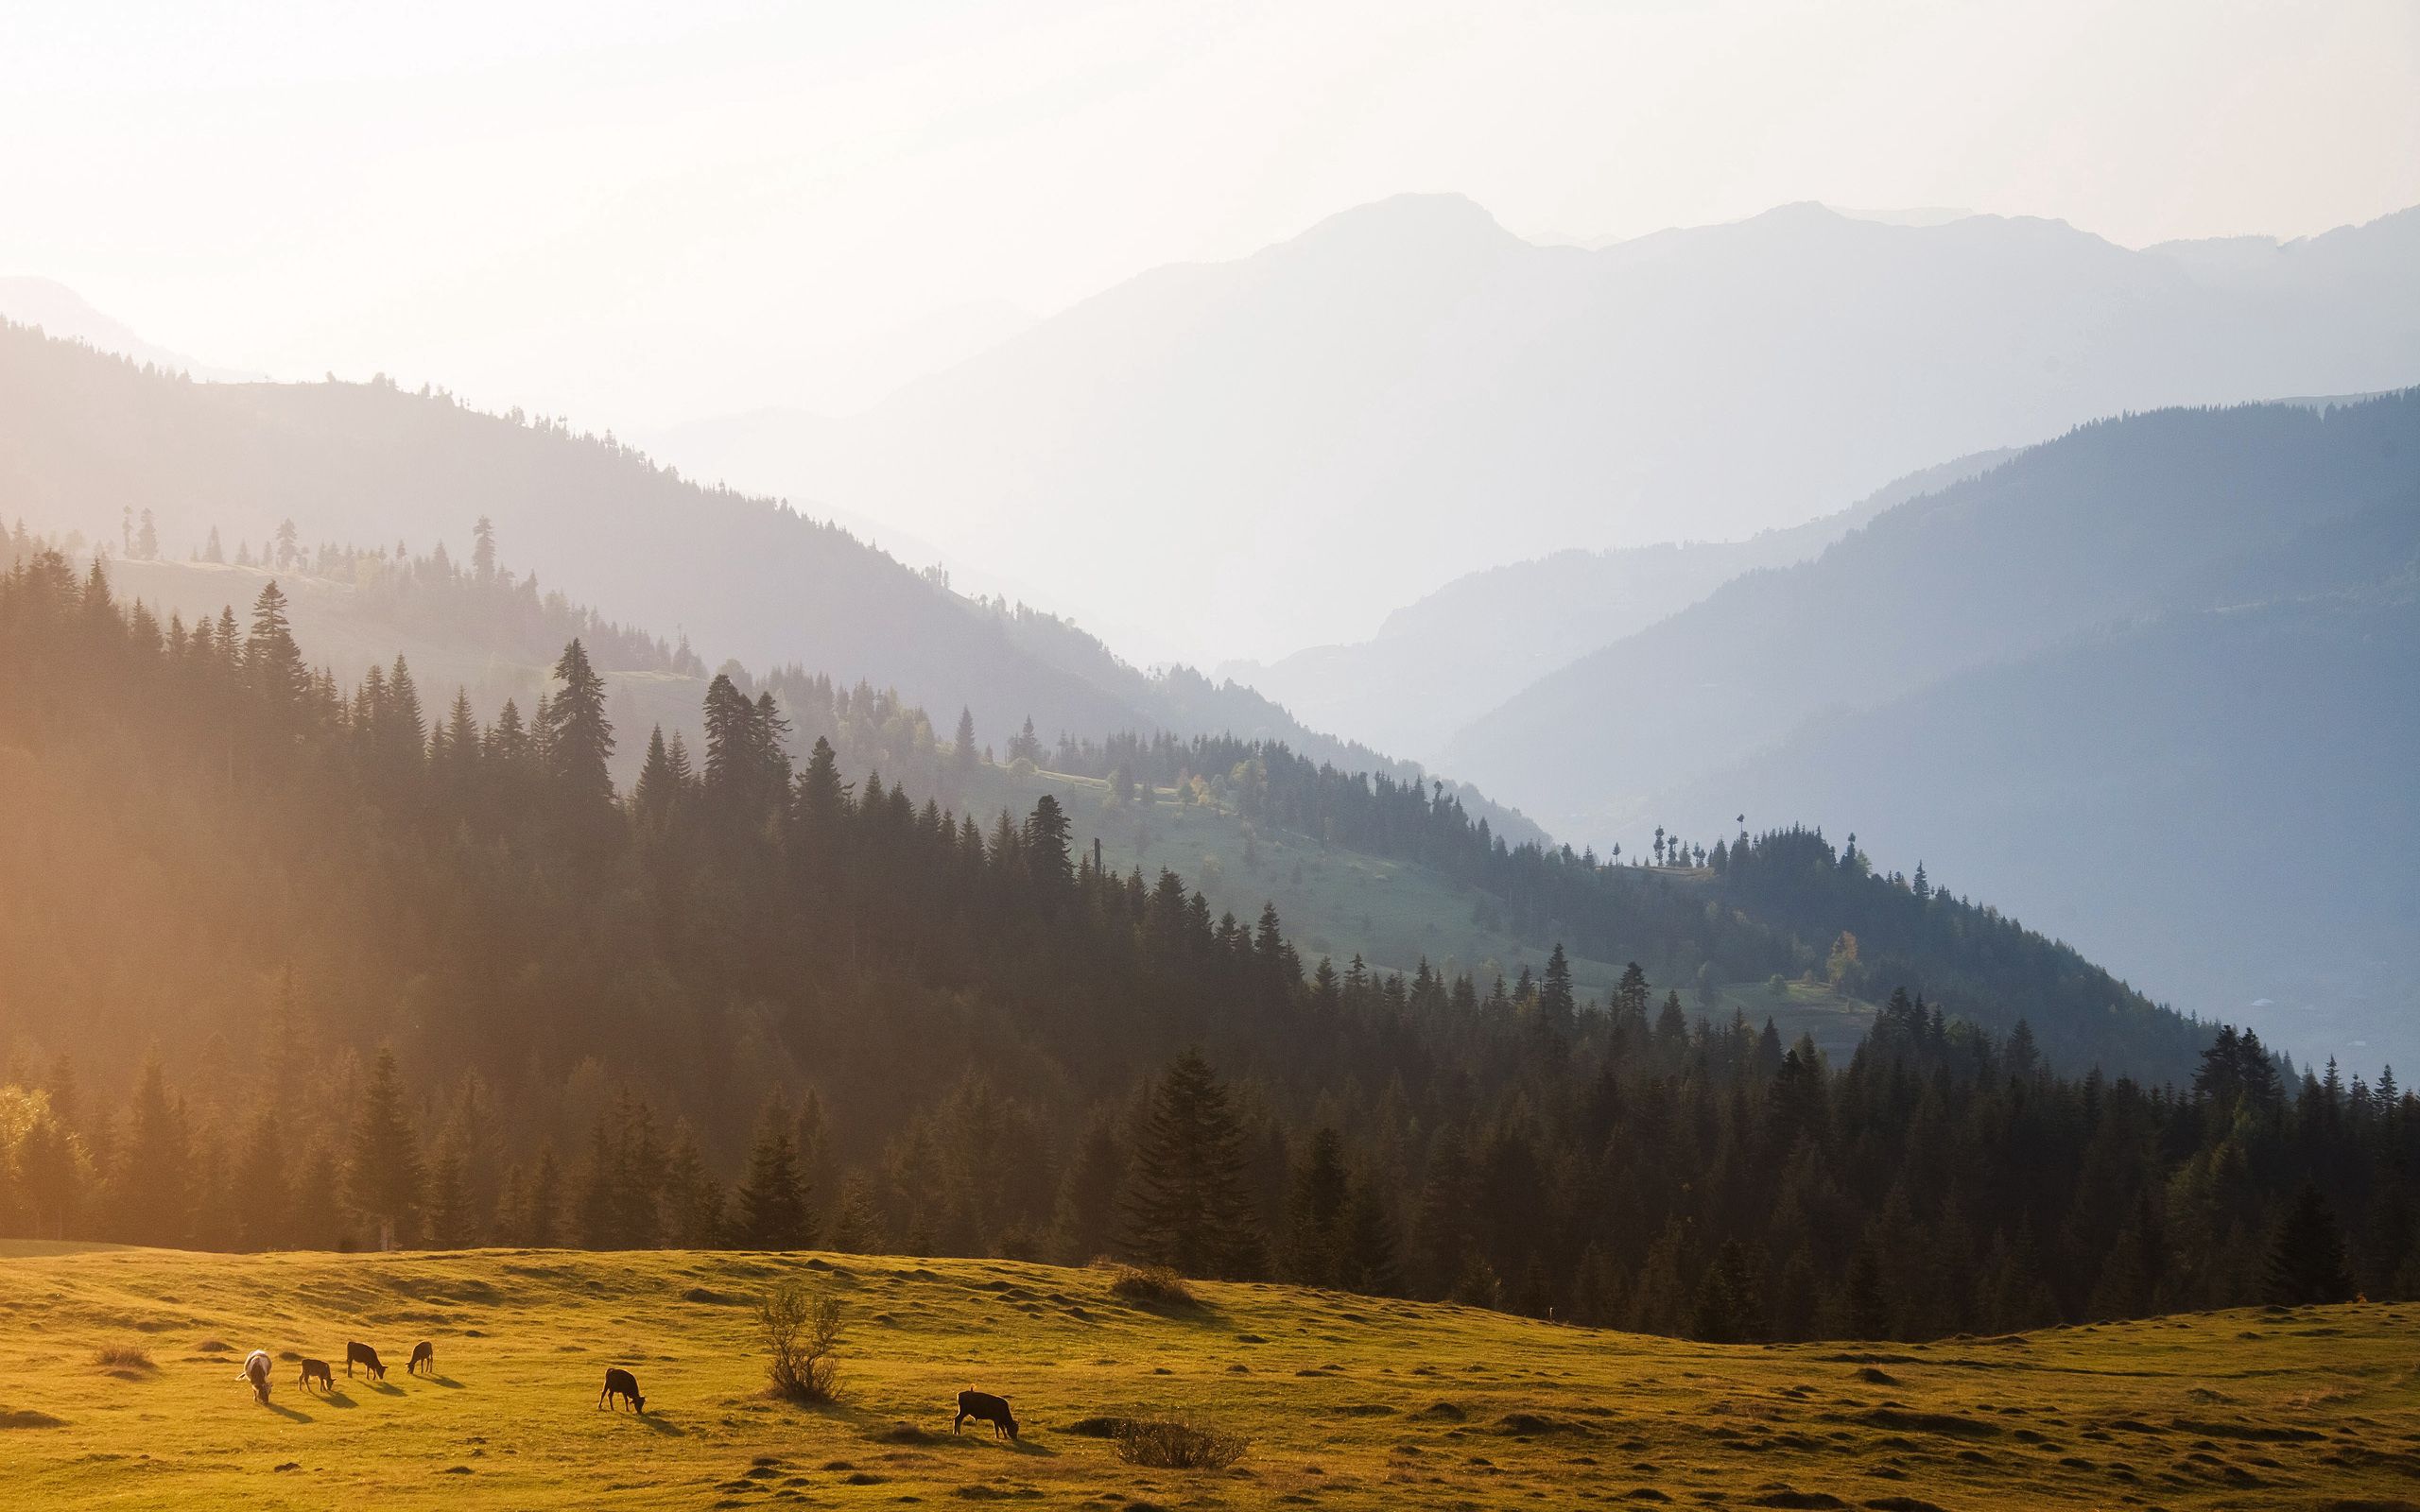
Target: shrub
[
  {"x": 122, "y": 1357},
  {"x": 801, "y": 1340},
  {"x": 1150, "y": 1283},
  {"x": 1173, "y": 1444}
]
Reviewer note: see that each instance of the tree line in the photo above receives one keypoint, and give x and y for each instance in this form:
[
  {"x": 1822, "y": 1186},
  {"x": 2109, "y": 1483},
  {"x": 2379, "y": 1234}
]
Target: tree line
[{"x": 441, "y": 981}]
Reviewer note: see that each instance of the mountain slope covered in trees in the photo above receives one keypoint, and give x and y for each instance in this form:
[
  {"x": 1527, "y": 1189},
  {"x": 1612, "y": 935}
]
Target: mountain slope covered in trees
[
  {"x": 451, "y": 983},
  {"x": 92, "y": 442},
  {"x": 2149, "y": 622}
]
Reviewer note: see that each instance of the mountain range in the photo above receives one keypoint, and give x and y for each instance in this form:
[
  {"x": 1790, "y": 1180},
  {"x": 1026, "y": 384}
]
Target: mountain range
[
  {"x": 2148, "y": 685},
  {"x": 89, "y": 439},
  {"x": 1246, "y": 458}
]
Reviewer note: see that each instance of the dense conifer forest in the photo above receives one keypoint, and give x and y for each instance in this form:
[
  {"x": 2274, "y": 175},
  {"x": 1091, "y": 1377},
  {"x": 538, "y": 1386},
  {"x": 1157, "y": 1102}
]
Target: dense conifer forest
[{"x": 412, "y": 977}]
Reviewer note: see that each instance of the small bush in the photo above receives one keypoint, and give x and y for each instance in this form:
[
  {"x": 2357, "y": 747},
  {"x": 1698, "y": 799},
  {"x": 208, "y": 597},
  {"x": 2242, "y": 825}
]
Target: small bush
[
  {"x": 122, "y": 1357},
  {"x": 1150, "y": 1283},
  {"x": 1173, "y": 1444},
  {"x": 802, "y": 1339}
]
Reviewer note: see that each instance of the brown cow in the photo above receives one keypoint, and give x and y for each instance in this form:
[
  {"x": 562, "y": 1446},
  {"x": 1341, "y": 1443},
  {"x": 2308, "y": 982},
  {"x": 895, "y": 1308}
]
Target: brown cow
[
  {"x": 986, "y": 1408},
  {"x": 424, "y": 1353},
  {"x": 365, "y": 1357},
  {"x": 317, "y": 1370},
  {"x": 620, "y": 1383}
]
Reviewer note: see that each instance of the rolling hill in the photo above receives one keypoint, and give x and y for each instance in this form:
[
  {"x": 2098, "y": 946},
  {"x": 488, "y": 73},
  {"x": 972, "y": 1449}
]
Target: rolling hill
[
  {"x": 1309, "y": 437},
  {"x": 1346, "y": 1401},
  {"x": 87, "y": 438}
]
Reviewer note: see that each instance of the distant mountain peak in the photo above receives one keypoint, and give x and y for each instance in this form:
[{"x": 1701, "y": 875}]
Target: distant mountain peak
[{"x": 1408, "y": 219}]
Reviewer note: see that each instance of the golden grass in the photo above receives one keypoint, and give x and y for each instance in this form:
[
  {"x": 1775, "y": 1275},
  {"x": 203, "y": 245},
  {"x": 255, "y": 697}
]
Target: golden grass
[{"x": 1344, "y": 1402}]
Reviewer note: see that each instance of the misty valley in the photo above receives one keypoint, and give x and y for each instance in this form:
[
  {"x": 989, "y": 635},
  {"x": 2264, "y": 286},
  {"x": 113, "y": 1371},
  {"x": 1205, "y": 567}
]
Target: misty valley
[{"x": 1395, "y": 864}]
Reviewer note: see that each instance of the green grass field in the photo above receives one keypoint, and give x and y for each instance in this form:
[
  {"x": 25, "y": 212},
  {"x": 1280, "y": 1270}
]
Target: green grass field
[{"x": 1347, "y": 1402}]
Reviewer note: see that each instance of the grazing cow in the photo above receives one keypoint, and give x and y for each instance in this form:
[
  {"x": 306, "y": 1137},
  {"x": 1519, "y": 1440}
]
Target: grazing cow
[
  {"x": 365, "y": 1357},
  {"x": 256, "y": 1371},
  {"x": 620, "y": 1383},
  {"x": 317, "y": 1370},
  {"x": 424, "y": 1353},
  {"x": 986, "y": 1408}
]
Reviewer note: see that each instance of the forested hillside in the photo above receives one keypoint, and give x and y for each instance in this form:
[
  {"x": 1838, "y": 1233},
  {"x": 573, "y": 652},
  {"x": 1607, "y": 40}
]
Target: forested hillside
[
  {"x": 2053, "y": 679},
  {"x": 449, "y": 982},
  {"x": 94, "y": 444}
]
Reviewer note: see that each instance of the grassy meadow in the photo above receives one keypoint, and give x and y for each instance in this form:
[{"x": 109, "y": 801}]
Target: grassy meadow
[{"x": 119, "y": 1389}]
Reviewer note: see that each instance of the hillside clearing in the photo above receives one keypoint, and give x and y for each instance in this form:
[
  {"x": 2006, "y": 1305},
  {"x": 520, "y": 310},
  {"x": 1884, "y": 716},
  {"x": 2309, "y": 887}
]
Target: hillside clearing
[{"x": 1345, "y": 1401}]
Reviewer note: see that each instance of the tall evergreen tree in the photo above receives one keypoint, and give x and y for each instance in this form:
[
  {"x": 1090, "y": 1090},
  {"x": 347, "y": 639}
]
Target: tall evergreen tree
[
  {"x": 579, "y": 739},
  {"x": 383, "y": 1166},
  {"x": 2307, "y": 1261},
  {"x": 773, "y": 1200},
  {"x": 1185, "y": 1202}
]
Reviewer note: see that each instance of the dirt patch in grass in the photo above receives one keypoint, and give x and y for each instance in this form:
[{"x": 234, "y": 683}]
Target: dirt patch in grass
[{"x": 23, "y": 1419}]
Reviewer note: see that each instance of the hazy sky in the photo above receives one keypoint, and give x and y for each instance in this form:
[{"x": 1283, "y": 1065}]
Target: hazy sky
[{"x": 639, "y": 218}]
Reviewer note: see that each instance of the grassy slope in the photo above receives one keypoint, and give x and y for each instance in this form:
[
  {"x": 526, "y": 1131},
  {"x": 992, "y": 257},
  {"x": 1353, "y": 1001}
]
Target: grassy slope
[{"x": 1339, "y": 1395}]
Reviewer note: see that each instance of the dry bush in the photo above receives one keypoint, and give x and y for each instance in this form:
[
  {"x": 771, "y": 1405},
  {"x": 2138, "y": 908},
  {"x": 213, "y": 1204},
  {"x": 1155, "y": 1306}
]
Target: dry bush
[
  {"x": 122, "y": 1357},
  {"x": 1173, "y": 1444},
  {"x": 802, "y": 1328},
  {"x": 1150, "y": 1283}
]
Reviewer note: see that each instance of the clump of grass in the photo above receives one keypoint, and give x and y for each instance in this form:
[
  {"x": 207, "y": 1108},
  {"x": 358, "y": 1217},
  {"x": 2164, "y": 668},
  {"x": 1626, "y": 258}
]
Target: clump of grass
[
  {"x": 801, "y": 1327},
  {"x": 1155, "y": 1284},
  {"x": 123, "y": 1357},
  {"x": 1174, "y": 1444}
]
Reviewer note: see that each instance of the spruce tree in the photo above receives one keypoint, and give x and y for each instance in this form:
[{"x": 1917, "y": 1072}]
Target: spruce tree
[
  {"x": 962, "y": 750},
  {"x": 772, "y": 1201},
  {"x": 1186, "y": 1204},
  {"x": 382, "y": 1167},
  {"x": 2307, "y": 1258},
  {"x": 577, "y": 736},
  {"x": 1315, "y": 1235},
  {"x": 155, "y": 1165}
]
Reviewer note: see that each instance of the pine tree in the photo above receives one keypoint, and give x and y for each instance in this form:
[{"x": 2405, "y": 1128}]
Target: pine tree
[
  {"x": 451, "y": 1224},
  {"x": 1315, "y": 1235},
  {"x": 1186, "y": 1204},
  {"x": 962, "y": 752},
  {"x": 2306, "y": 1260},
  {"x": 1730, "y": 1302},
  {"x": 856, "y": 1223},
  {"x": 772, "y": 1201},
  {"x": 1084, "y": 1220},
  {"x": 155, "y": 1165},
  {"x": 577, "y": 736},
  {"x": 272, "y": 662},
  {"x": 262, "y": 1198},
  {"x": 383, "y": 1167}
]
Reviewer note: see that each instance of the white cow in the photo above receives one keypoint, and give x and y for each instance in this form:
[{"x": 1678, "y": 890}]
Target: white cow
[{"x": 256, "y": 1371}]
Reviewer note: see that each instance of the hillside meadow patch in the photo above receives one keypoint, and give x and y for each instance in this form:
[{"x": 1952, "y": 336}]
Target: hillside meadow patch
[{"x": 1339, "y": 1406}]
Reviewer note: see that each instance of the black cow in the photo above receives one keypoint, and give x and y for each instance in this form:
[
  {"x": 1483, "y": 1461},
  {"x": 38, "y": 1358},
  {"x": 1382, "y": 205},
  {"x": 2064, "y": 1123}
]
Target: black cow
[
  {"x": 985, "y": 1408},
  {"x": 620, "y": 1383},
  {"x": 365, "y": 1357},
  {"x": 317, "y": 1370},
  {"x": 424, "y": 1353}
]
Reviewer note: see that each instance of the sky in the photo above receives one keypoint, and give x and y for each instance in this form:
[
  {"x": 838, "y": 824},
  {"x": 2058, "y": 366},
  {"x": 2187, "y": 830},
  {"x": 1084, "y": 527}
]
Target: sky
[{"x": 643, "y": 214}]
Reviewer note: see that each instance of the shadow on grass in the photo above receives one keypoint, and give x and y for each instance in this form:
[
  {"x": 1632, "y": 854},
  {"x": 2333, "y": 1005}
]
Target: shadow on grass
[
  {"x": 289, "y": 1414},
  {"x": 335, "y": 1399},
  {"x": 385, "y": 1390},
  {"x": 657, "y": 1424},
  {"x": 447, "y": 1382}
]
